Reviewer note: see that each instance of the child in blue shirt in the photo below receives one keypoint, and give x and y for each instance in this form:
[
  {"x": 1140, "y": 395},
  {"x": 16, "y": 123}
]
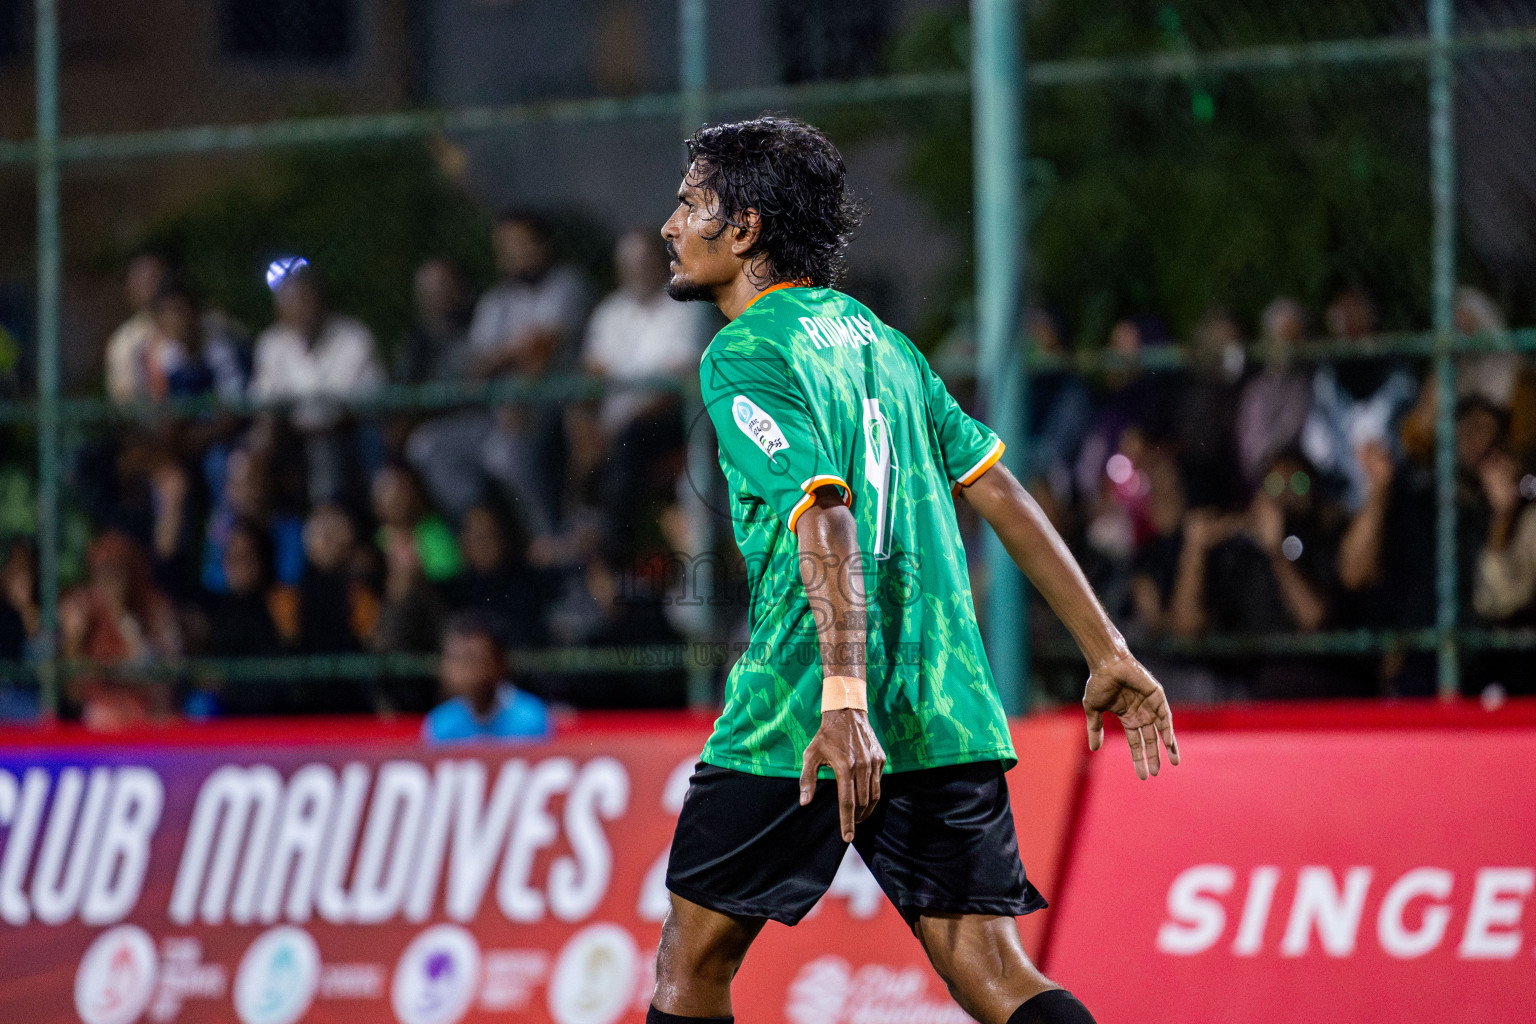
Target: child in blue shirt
[{"x": 482, "y": 702}]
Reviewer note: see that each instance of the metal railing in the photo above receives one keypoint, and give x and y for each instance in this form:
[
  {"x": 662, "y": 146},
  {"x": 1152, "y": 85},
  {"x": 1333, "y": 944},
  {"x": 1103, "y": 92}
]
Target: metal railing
[{"x": 996, "y": 84}]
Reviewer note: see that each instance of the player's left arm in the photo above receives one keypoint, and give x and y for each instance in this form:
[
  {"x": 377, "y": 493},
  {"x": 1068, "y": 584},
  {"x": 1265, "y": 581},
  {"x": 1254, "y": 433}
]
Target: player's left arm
[
  {"x": 832, "y": 569},
  {"x": 1117, "y": 682}
]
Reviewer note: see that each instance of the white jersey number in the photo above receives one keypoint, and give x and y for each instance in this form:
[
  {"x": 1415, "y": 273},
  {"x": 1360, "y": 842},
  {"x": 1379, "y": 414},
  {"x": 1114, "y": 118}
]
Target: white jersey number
[{"x": 880, "y": 469}]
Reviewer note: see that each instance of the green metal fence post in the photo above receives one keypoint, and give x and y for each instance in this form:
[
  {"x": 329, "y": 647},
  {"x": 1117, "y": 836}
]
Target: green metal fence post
[
  {"x": 48, "y": 264},
  {"x": 1442, "y": 167},
  {"x": 693, "y": 74},
  {"x": 693, "y": 61},
  {"x": 996, "y": 128}
]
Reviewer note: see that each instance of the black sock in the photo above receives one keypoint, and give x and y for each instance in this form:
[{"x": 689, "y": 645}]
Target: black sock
[
  {"x": 655, "y": 1016},
  {"x": 1053, "y": 1006}
]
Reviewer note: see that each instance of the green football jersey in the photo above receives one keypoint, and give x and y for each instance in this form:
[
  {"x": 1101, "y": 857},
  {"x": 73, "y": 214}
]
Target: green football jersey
[{"x": 806, "y": 388}]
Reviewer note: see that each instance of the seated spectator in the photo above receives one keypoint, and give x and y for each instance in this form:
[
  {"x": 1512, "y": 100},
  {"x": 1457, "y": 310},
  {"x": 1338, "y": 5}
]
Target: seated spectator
[
  {"x": 411, "y": 614},
  {"x": 240, "y": 621},
  {"x": 316, "y": 358},
  {"x": 436, "y": 348},
  {"x": 639, "y": 333},
  {"x": 118, "y": 618},
  {"x": 1386, "y": 561},
  {"x": 181, "y": 354},
  {"x": 137, "y": 484},
  {"x": 495, "y": 582},
  {"x": 1134, "y": 405},
  {"x": 528, "y": 322},
  {"x": 177, "y": 510},
  {"x": 1506, "y": 379},
  {"x": 245, "y": 498},
  {"x": 525, "y": 325},
  {"x": 1204, "y": 422},
  {"x": 1112, "y": 514},
  {"x": 1355, "y": 402},
  {"x": 1504, "y": 584},
  {"x": 1491, "y": 375},
  {"x": 21, "y": 614},
  {"x": 1274, "y": 403},
  {"x": 334, "y": 610},
  {"x": 635, "y": 334},
  {"x": 147, "y": 271},
  {"x": 410, "y": 621},
  {"x": 1494, "y": 377},
  {"x": 482, "y": 703},
  {"x": 1131, "y": 553},
  {"x": 185, "y": 355},
  {"x": 1269, "y": 569},
  {"x": 1504, "y": 589},
  {"x": 401, "y": 511},
  {"x": 1522, "y": 415},
  {"x": 1155, "y": 566},
  {"x": 1060, "y": 411},
  {"x": 1266, "y": 570}
]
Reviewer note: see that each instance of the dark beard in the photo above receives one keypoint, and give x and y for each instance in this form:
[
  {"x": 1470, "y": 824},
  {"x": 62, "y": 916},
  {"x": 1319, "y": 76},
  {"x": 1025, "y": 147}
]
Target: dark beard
[{"x": 687, "y": 291}]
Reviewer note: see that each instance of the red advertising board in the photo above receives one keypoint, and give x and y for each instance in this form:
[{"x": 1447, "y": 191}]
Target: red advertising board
[
  {"x": 349, "y": 874},
  {"x": 1368, "y": 868},
  {"x": 1327, "y": 876}
]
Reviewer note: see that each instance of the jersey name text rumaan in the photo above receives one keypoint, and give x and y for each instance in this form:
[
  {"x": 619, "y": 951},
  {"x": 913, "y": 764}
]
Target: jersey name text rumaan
[{"x": 839, "y": 331}]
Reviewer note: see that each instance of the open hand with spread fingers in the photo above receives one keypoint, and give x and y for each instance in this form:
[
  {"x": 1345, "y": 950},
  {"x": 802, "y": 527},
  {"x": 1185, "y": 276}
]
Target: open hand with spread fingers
[{"x": 1126, "y": 690}]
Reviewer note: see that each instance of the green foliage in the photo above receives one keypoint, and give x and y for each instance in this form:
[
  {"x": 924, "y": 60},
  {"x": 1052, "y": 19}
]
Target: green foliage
[
  {"x": 364, "y": 215},
  {"x": 1172, "y": 196}
]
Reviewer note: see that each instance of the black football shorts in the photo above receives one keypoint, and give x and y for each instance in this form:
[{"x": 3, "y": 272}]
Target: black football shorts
[{"x": 940, "y": 840}]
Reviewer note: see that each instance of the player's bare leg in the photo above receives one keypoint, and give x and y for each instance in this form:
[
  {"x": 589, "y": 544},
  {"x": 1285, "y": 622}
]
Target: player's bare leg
[
  {"x": 987, "y": 971},
  {"x": 701, "y": 951}
]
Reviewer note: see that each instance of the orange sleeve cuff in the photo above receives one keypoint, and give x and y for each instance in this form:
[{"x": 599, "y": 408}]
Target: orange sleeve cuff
[
  {"x": 973, "y": 474},
  {"x": 809, "y": 487}
]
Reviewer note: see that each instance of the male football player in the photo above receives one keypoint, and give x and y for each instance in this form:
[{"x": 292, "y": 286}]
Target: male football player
[{"x": 843, "y": 455}]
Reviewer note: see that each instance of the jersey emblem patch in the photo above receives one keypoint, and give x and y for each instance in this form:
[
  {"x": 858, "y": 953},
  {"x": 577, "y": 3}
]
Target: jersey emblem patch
[{"x": 758, "y": 425}]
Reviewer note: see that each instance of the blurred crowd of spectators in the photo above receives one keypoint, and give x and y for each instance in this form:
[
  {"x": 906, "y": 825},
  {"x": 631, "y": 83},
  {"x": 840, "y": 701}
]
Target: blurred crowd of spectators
[
  {"x": 1230, "y": 496},
  {"x": 312, "y": 528},
  {"x": 1293, "y": 496}
]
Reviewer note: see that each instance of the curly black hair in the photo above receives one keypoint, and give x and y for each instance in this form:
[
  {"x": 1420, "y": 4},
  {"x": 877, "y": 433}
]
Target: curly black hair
[{"x": 792, "y": 175}]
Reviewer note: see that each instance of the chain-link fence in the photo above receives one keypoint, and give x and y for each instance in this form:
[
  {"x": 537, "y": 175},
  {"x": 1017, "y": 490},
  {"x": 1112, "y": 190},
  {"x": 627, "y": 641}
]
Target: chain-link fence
[
  {"x": 1293, "y": 184},
  {"x": 1175, "y": 168}
]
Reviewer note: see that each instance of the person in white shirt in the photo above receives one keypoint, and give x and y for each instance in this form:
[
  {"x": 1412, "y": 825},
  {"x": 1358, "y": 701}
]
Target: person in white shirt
[
  {"x": 527, "y": 322},
  {"x": 316, "y": 359},
  {"x": 147, "y": 272},
  {"x": 619, "y": 448},
  {"x": 526, "y": 325},
  {"x": 639, "y": 333}
]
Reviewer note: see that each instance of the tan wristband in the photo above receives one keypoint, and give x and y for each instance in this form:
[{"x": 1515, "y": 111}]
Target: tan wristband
[{"x": 840, "y": 692}]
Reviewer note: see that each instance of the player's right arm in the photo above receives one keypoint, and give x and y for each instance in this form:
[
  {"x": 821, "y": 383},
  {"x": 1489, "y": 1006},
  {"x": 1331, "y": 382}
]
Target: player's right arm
[
  {"x": 1117, "y": 682},
  {"x": 832, "y": 570},
  {"x": 768, "y": 433}
]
